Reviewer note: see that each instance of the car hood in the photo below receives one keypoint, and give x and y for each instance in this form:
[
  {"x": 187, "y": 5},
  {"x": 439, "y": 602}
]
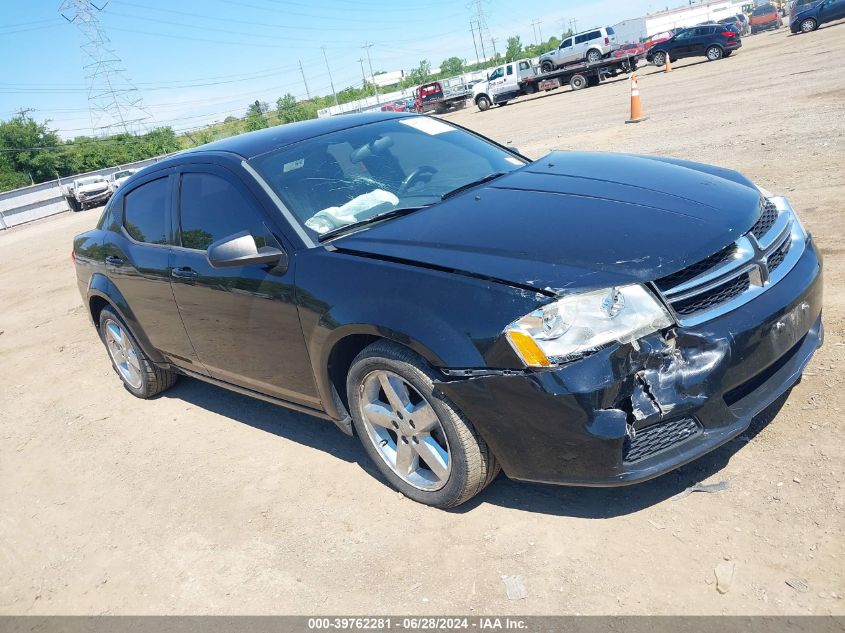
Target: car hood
[
  {"x": 94, "y": 186},
  {"x": 574, "y": 221}
]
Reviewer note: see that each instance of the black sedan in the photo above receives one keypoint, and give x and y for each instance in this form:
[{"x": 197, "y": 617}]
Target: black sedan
[
  {"x": 713, "y": 41},
  {"x": 587, "y": 319}
]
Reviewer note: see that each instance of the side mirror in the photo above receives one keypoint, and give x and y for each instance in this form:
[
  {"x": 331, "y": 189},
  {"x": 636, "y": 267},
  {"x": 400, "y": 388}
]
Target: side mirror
[{"x": 240, "y": 250}]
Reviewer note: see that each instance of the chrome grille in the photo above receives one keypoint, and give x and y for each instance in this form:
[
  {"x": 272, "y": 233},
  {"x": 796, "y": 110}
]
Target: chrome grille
[
  {"x": 768, "y": 215},
  {"x": 740, "y": 271},
  {"x": 713, "y": 297}
]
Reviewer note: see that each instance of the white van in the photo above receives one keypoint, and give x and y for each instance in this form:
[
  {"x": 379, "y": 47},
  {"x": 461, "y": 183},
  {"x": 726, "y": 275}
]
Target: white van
[{"x": 589, "y": 46}]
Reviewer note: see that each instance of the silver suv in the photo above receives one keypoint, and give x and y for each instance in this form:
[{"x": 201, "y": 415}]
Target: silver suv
[{"x": 589, "y": 46}]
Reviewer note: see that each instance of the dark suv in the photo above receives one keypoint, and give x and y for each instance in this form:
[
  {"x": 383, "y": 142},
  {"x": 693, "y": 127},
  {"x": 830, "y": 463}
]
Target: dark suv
[
  {"x": 587, "y": 319},
  {"x": 713, "y": 41}
]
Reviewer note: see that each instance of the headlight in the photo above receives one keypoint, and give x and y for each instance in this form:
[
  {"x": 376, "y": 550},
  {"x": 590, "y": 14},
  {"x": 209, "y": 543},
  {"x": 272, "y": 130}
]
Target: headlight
[{"x": 565, "y": 329}]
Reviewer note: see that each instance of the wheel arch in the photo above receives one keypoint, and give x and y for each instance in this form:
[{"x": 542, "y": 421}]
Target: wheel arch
[
  {"x": 340, "y": 350},
  {"x": 103, "y": 293}
]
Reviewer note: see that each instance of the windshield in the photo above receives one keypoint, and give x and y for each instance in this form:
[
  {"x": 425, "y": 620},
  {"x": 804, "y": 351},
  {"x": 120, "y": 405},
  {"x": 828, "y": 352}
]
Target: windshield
[
  {"x": 349, "y": 176},
  {"x": 90, "y": 180},
  {"x": 122, "y": 174}
]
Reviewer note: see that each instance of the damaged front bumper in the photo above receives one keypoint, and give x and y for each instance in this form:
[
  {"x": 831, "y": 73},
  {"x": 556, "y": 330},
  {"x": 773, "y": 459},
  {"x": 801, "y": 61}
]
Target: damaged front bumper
[{"x": 632, "y": 412}]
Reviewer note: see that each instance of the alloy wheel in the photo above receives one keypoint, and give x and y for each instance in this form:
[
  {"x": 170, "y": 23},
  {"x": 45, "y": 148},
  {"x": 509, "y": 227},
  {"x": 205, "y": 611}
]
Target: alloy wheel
[
  {"x": 405, "y": 430},
  {"x": 714, "y": 53},
  {"x": 123, "y": 354},
  {"x": 593, "y": 56},
  {"x": 808, "y": 25}
]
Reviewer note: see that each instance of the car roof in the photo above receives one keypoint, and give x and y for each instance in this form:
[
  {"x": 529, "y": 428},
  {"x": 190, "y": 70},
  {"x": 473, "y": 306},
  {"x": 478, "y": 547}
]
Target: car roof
[{"x": 252, "y": 144}]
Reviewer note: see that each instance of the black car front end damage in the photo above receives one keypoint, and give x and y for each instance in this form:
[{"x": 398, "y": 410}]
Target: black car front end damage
[{"x": 631, "y": 412}]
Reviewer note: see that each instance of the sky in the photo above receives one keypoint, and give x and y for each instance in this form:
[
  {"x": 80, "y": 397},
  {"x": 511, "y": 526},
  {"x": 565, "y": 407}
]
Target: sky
[{"x": 198, "y": 61}]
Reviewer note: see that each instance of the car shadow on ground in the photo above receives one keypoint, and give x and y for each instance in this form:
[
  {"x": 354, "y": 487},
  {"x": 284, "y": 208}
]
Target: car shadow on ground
[{"x": 590, "y": 503}]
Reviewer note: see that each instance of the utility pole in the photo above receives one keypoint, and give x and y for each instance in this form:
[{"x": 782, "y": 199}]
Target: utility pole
[
  {"x": 305, "y": 81},
  {"x": 534, "y": 24},
  {"x": 372, "y": 75},
  {"x": 495, "y": 52},
  {"x": 114, "y": 102},
  {"x": 474, "y": 45},
  {"x": 331, "y": 81},
  {"x": 540, "y": 29},
  {"x": 573, "y": 24}
]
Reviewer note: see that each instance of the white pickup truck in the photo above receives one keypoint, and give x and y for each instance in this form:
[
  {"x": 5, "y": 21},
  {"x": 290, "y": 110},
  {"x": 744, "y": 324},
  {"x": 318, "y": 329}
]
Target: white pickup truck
[
  {"x": 87, "y": 191},
  {"x": 503, "y": 84}
]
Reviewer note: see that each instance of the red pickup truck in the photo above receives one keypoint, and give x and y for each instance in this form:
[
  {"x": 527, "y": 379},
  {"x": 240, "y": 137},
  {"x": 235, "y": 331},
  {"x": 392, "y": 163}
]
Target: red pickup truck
[{"x": 434, "y": 97}]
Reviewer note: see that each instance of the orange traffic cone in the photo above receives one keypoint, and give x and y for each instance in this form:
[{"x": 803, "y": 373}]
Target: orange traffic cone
[
  {"x": 668, "y": 65},
  {"x": 637, "y": 113}
]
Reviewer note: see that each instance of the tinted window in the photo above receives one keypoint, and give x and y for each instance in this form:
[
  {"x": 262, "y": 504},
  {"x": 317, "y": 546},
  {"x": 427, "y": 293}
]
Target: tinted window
[
  {"x": 764, "y": 9},
  {"x": 144, "y": 215},
  {"x": 510, "y": 69},
  {"x": 212, "y": 208},
  {"x": 566, "y": 43},
  {"x": 610, "y": 30}
]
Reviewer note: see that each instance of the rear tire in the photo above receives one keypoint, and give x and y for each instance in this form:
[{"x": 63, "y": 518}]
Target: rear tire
[
  {"x": 714, "y": 53},
  {"x": 483, "y": 103},
  {"x": 139, "y": 375},
  {"x": 593, "y": 56},
  {"x": 577, "y": 82},
  {"x": 402, "y": 446}
]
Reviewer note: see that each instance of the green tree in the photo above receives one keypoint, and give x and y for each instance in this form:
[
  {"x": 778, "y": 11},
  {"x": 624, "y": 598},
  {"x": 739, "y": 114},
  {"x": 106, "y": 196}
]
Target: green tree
[
  {"x": 420, "y": 74},
  {"x": 290, "y": 110},
  {"x": 451, "y": 67},
  {"x": 255, "y": 119},
  {"x": 514, "y": 51}
]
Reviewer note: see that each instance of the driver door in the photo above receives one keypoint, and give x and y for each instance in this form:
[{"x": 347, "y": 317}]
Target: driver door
[
  {"x": 681, "y": 44},
  {"x": 243, "y": 321}
]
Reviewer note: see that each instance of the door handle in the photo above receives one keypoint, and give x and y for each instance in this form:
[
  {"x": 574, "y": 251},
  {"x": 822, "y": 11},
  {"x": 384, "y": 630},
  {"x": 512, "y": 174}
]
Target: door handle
[
  {"x": 114, "y": 261},
  {"x": 184, "y": 273}
]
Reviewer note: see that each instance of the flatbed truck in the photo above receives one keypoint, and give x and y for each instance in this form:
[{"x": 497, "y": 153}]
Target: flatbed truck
[{"x": 515, "y": 79}]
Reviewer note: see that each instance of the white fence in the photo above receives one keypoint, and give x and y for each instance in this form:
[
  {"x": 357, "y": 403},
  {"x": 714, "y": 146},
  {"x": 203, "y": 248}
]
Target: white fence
[{"x": 40, "y": 201}]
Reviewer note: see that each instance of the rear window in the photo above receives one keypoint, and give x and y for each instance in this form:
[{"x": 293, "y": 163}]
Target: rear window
[
  {"x": 765, "y": 9},
  {"x": 610, "y": 31}
]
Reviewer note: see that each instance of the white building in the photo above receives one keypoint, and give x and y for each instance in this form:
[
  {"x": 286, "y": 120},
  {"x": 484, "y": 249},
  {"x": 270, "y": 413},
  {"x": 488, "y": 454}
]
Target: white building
[{"x": 637, "y": 29}]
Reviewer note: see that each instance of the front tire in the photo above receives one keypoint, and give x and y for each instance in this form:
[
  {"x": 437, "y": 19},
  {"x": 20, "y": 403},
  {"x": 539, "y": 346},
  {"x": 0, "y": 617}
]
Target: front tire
[
  {"x": 418, "y": 439},
  {"x": 714, "y": 53},
  {"x": 483, "y": 103},
  {"x": 809, "y": 25},
  {"x": 659, "y": 59},
  {"x": 547, "y": 66},
  {"x": 139, "y": 375}
]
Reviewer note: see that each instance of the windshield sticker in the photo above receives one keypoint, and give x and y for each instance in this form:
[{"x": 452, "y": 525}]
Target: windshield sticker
[
  {"x": 294, "y": 165},
  {"x": 432, "y": 127},
  {"x": 514, "y": 161}
]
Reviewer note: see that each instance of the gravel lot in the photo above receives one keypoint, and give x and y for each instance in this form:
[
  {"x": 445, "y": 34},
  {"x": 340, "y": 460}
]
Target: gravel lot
[{"x": 203, "y": 501}]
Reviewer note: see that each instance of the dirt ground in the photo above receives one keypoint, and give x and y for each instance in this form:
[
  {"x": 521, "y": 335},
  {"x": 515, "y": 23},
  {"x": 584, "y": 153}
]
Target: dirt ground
[{"x": 203, "y": 501}]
